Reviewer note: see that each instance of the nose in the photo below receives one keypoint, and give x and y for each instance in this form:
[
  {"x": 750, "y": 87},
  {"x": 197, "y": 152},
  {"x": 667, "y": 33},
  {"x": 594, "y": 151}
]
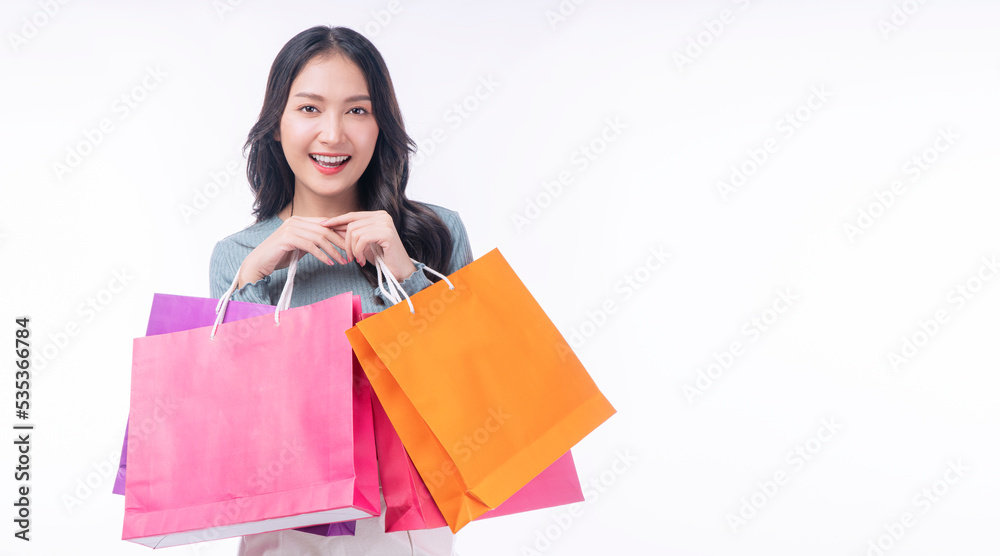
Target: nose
[{"x": 332, "y": 131}]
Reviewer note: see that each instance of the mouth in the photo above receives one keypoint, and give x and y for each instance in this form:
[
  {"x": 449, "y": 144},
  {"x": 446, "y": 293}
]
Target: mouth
[{"x": 329, "y": 161}]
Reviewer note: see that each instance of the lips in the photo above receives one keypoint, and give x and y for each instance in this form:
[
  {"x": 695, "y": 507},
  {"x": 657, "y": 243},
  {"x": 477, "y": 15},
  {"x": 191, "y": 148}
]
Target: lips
[
  {"x": 329, "y": 161},
  {"x": 327, "y": 164}
]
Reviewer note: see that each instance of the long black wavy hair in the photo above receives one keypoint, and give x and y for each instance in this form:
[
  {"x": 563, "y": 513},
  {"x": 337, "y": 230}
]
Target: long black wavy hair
[{"x": 382, "y": 186}]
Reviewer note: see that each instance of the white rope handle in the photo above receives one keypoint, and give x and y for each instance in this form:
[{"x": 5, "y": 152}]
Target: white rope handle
[
  {"x": 391, "y": 293},
  {"x": 284, "y": 301},
  {"x": 394, "y": 285},
  {"x": 381, "y": 267}
]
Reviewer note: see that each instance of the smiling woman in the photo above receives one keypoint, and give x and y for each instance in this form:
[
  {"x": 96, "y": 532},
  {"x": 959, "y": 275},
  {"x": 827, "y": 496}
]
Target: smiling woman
[
  {"x": 328, "y": 164},
  {"x": 315, "y": 105}
]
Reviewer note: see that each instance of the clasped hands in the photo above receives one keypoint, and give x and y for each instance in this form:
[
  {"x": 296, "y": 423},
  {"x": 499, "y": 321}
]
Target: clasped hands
[{"x": 354, "y": 232}]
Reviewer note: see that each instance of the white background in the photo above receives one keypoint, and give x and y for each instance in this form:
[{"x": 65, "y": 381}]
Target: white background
[{"x": 698, "y": 91}]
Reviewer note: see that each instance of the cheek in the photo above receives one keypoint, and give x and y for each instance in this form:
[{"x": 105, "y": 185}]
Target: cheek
[
  {"x": 367, "y": 135},
  {"x": 293, "y": 130}
]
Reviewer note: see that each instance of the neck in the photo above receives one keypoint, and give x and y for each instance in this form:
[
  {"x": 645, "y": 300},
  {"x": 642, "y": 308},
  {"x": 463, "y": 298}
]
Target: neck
[{"x": 306, "y": 203}]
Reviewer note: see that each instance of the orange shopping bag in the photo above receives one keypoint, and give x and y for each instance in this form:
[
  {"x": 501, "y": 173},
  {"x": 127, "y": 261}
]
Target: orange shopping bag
[{"x": 483, "y": 390}]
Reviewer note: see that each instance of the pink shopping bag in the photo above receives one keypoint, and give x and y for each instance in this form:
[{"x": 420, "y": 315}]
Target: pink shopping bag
[
  {"x": 255, "y": 427},
  {"x": 409, "y": 505},
  {"x": 174, "y": 313}
]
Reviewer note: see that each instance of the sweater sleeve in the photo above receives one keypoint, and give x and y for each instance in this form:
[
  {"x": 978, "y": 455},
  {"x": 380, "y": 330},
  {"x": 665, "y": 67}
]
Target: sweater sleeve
[
  {"x": 461, "y": 250},
  {"x": 227, "y": 256},
  {"x": 461, "y": 255}
]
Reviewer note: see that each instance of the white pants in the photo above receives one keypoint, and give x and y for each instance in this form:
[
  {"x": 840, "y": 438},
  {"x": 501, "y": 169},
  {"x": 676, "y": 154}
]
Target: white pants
[{"x": 369, "y": 538}]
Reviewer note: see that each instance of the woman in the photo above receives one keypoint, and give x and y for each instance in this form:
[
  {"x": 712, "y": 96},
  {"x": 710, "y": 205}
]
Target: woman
[{"x": 328, "y": 164}]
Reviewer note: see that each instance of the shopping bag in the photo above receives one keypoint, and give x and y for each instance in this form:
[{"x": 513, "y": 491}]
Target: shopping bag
[
  {"x": 331, "y": 529},
  {"x": 174, "y": 313},
  {"x": 481, "y": 387},
  {"x": 409, "y": 505},
  {"x": 119, "y": 486},
  {"x": 255, "y": 431},
  {"x": 364, "y": 443}
]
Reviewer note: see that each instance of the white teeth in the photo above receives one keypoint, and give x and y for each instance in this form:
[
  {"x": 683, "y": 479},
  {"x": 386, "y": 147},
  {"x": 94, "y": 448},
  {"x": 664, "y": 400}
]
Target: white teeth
[{"x": 329, "y": 159}]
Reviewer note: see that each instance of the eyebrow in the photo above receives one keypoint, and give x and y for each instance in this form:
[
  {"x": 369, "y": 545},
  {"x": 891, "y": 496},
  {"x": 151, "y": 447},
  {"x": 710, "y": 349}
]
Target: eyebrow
[{"x": 319, "y": 98}]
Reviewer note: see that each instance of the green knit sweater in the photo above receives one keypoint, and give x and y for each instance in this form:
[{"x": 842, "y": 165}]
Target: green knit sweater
[{"x": 315, "y": 280}]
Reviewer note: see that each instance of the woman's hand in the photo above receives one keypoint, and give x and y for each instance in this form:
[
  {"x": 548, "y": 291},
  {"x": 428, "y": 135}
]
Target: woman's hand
[
  {"x": 305, "y": 233},
  {"x": 361, "y": 230}
]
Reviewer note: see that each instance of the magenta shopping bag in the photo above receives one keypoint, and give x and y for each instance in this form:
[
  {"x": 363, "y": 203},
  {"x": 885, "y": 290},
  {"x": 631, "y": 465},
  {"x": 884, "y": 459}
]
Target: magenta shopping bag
[
  {"x": 409, "y": 505},
  {"x": 364, "y": 444},
  {"x": 255, "y": 427}
]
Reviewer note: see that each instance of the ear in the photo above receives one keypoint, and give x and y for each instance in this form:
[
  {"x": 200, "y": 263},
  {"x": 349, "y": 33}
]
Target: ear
[{"x": 276, "y": 135}]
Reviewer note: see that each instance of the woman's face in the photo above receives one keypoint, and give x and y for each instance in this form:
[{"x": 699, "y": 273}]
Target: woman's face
[{"x": 327, "y": 130}]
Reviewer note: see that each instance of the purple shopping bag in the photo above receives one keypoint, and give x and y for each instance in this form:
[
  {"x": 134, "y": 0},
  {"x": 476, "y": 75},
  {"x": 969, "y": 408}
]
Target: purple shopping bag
[
  {"x": 176, "y": 313},
  {"x": 331, "y": 529}
]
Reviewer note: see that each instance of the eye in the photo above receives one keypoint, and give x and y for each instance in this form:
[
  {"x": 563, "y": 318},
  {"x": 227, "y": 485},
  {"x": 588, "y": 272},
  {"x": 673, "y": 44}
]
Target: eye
[
  {"x": 359, "y": 109},
  {"x": 301, "y": 108}
]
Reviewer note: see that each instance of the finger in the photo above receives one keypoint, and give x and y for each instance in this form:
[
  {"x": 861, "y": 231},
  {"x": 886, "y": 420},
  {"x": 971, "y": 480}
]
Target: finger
[
  {"x": 306, "y": 222},
  {"x": 352, "y": 239},
  {"x": 343, "y": 219},
  {"x": 313, "y": 230},
  {"x": 323, "y": 243},
  {"x": 346, "y": 239},
  {"x": 307, "y": 246},
  {"x": 307, "y": 241},
  {"x": 362, "y": 240},
  {"x": 332, "y": 237},
  {"x": 311, "y": 219}
]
